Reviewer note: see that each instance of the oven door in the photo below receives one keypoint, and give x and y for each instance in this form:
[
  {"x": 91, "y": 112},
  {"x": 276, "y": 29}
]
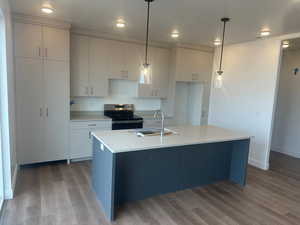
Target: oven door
[{"x": 128, "y": 124}]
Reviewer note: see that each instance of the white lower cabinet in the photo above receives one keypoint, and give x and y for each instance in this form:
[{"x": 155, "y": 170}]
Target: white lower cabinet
[{"x": 81, "y": 138}]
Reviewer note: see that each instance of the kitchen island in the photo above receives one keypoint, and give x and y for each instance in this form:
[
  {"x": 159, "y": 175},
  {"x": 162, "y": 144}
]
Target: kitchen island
[{"x": 127, "y": 168}]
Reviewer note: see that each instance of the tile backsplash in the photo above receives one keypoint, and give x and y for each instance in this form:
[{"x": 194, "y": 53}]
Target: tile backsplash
[{"x": 120, "y": 92}]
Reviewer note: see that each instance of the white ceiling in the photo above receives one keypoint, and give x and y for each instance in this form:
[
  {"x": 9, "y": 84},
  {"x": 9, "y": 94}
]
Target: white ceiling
[{"x": 196, "y": 20}]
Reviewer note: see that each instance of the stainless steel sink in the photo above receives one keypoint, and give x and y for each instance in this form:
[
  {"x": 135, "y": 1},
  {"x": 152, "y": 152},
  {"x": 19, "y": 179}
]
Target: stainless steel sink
[{"x": 153, "y": 132}]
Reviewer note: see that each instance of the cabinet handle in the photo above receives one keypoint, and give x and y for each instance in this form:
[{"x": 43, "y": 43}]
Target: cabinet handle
[
  {"x": 41, "y": 112},
  {"x": 92, "y": 91},
  {"x": 90, "y": 135},
  {"x": 46, "y": 52},
  {"x": 39, "y": 51},
  {"x": 92, "y": 125},
  {"x": 47, "y": 112},
  {"x": 87, "y": 90}
]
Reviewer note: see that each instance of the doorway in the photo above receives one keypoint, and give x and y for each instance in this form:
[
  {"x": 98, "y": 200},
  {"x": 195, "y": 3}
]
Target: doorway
[{"x": 285, "y": 151}]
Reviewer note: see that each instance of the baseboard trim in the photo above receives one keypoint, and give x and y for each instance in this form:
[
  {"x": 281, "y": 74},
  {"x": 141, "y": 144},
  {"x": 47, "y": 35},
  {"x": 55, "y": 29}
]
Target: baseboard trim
[
  {"x": 258, "y": 164},
  {"x": 287, "y": 152},
  {"x": 11, "y": 192}
]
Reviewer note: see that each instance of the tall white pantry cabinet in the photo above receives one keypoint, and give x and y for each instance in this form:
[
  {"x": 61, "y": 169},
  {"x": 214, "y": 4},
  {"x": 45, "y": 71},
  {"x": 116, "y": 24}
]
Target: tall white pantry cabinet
[{"x": 42, "y": 92}]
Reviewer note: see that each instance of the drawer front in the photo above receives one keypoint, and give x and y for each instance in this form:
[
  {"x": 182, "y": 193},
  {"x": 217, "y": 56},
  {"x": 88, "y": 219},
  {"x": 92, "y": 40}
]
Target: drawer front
[{"x": 91, "y": 125}]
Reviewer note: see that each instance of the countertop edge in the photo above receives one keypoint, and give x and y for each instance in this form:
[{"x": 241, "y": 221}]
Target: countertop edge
[{"x": 169, "y": 146}]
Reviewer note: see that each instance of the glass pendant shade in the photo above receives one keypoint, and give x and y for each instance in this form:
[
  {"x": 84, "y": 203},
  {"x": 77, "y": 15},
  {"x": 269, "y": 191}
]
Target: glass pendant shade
[
  {"x": 145, "y": 74},
  {"x": 218, "y": 81}
]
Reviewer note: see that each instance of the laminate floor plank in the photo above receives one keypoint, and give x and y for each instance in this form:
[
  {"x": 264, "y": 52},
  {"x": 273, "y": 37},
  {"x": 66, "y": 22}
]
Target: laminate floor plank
[{"x": 61, "y": 194}]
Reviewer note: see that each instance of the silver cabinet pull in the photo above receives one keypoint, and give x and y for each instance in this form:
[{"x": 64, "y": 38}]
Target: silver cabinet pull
[
  {"x": 92, "y": 91},
  {"x": 90, "y": 134},
  {"x": 46, "y": 52},
  {"x": 87, "y": 90},
  {"x": 39, "y": 51},
  {"x": 92, "y": 125},
  {"x": 47, "y": 113},
  {"x": 41, "y": 112}
]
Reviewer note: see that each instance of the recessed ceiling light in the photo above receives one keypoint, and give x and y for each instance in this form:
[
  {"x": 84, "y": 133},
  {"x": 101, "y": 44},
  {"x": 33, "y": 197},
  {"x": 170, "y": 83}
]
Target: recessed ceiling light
[
  {"x": 217, "y": 42},
  {"x": 47, "y": 8},
  {"x": 265, "y": 33},
  {"x": 120, "y": 23},
  {"x": 285, "y": 44},
  {"x": 175, "y": 34}
]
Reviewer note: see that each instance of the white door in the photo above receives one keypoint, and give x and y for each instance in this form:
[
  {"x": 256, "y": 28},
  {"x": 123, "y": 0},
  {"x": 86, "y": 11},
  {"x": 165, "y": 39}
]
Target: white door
[
  {"x": 30, "y": 112},
  {"x": 81, "y": 144},
  {"x": 56, "y": 76},
  {"x": 79, "y": 66},
  {"x": 98, "y": 67},
  {"x": 28, "y": 40},
  {"x": 56, "y": 43},
  {"x": 117, "y": 60}
]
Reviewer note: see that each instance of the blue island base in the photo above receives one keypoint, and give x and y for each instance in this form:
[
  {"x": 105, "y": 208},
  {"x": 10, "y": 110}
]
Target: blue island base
[{"x": 130, "y": 176}]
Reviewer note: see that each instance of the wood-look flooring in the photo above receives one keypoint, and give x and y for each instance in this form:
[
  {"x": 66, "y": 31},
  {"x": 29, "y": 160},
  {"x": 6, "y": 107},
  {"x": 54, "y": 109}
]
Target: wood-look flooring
[{"x": 61, "y": 194}]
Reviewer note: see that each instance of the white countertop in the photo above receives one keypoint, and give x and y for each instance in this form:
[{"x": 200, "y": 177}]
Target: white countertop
[
  {"x": 84, "y": 116},
  {"x": 126, "y": 140}
]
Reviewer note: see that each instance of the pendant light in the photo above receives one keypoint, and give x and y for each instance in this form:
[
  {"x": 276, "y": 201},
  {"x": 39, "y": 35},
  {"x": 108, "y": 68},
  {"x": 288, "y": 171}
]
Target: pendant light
[
  {"x": 219, "y": 78},
  {"x": 47, "y": 7},
  {"x": 145, "y": 76}
]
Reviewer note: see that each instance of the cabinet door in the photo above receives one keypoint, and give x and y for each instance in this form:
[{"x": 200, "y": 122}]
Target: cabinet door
[
  {"x": 29, "y": 103},
  {"x": 98, "y": 67},
  {"x": 79, "y": 66},
  {"x": 81, "y": 144},
  {"x": 56, "y": 43},
  {"x": 160, "y": 72},
  {"x": 56, "y": 76},
  {"x": 133, "y": 61},
  {"x": 205, "y": 64},
  {"x": 117, "y": 60},
  {"x": 28, "y": 40}
]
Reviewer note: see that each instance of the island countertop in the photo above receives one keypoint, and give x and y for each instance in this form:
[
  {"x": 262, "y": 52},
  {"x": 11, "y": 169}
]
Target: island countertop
[{"x": 118, "y": 141}]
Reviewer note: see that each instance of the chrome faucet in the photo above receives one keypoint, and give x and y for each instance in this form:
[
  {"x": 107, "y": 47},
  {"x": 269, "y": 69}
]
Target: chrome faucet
[{"x": 162, "y": 119}]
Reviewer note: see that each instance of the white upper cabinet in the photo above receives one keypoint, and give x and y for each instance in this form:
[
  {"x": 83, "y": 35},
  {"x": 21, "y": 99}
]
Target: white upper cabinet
[
  {"x": 124, "y": 60},
  {"x": 98, "y": 67},
  {"x": 79, "y": 65},
  {"x": 133, "y": 60},
  {"x": 116, "y": 57},
  {"x": 55, "y": 42},
  {"x": 159, "y": 61},
  {"x": 28, "y": 40},
  {"x": 89, "y": 66},
  {"x": 193, "y": 65},
  {"x": 36, "y": 41},
  {"x": 160, "y": 72}
]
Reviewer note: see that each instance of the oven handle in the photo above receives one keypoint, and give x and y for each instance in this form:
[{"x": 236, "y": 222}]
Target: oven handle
[{"x": 127, "y": 122}]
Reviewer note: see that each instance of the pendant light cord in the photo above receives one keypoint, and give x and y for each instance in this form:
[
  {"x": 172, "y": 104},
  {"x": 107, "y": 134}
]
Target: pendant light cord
[
  {"x": 222, "y": 48},
  {"x": 147, "y": 33}
]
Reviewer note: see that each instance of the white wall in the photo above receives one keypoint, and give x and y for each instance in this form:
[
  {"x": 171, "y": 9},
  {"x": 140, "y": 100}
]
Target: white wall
[
  {"x": 287, "y": 118},
  {"x": 8, "y": 103},
  {"x": 246, "y": 100},
  {"x": 120, "y": 92}
]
